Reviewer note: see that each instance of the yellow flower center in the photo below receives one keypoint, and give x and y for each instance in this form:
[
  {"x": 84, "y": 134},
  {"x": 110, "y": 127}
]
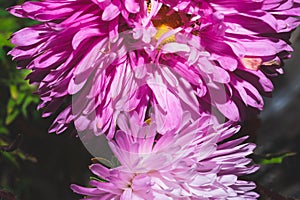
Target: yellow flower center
[
  {"x": 166, "y": 20},
  {"x": 148, "y": 121}
]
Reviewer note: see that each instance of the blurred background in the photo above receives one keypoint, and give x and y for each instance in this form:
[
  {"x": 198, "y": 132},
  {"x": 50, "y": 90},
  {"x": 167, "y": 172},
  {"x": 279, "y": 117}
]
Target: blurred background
[
  {"x": 37, "y": 165},
  {"x": 278, "y": 130},
  {"x": 33, "y": 163}
]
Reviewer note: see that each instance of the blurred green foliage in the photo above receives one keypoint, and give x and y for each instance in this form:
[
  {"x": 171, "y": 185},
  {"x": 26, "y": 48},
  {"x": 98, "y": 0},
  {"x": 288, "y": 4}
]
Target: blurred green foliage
[
  {"x": 20, "y": 92},
  {"x": 269, "y": 159},
  {"x": 16, "y": 93},
  {"x": 33, "y": 164}
]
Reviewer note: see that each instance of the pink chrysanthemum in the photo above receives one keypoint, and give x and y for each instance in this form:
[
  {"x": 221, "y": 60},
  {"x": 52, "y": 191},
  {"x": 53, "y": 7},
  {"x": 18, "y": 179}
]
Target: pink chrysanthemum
[
  {"x": 189, "y": 163},
  {"x": 136, "y": 55}
]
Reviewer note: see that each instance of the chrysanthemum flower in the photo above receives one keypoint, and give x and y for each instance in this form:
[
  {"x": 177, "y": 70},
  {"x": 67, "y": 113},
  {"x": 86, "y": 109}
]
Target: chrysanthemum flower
[
  {"x": 136, "y": 55},
  {"x": 192, "y": 162},
  {"x": 246, "y": 41}
]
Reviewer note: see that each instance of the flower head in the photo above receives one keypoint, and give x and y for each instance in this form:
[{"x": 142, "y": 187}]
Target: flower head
[
  {"x": 192, "y": 162},
  {"x": 135, "y": 56}
]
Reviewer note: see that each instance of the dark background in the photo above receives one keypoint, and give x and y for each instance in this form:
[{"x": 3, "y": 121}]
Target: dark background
[
  {"x": 279, "y": 129},
  {"x": 42, "y": 165}
]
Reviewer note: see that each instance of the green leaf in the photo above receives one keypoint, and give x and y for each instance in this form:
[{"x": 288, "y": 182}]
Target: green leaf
[
  {"x": 97, "y": 179},
  {"x": 25, "y": 104},
  {"x": 7, "y": 24},
  {"x": 3, "y": 130},
  {"x": 272, "y": 158},
  {"x": 4, "y": 39},
  {"x": 20, "y": 98},
  {"x": 4, "y": 42},
  {"x": 24, "y": 156},
  {"x": 13, "y": 91},
  {"x": 3, "y": 13},
  {"x": 11, "y": 116},
  {"x": 2, "y": 55},
  {"x": 10, "y": 106},
  {"x": 2, "y": 142},
  {"x": 10, "y": 158}
]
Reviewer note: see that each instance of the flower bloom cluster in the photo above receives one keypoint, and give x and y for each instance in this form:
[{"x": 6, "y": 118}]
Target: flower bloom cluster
[
  {"x": 204, "y": 55},
  {"x": 94, "y": 60},
  {"x": 193, "y": 162}
]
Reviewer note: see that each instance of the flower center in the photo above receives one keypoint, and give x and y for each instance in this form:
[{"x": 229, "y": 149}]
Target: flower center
[{"x": 166, "y": 20}]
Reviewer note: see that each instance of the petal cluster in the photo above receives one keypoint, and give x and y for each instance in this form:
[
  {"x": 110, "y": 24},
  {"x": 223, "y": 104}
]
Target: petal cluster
[
  {"x": 197, "y": 55},
  {"x": 192, "y": 162},
  {"x": 158, "y": 78}
]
